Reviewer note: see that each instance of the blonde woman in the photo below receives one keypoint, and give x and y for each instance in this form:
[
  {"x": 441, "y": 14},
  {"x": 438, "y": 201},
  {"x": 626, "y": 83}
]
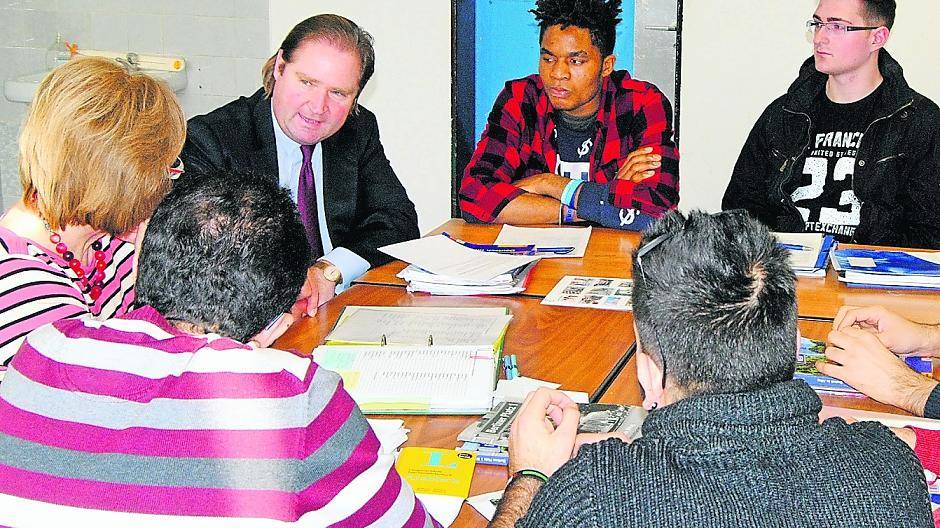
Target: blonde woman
[{"x": 98, "y": 152}]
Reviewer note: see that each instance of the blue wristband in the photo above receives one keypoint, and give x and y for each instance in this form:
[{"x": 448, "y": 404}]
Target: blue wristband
[
  {"x": 593, "y": 205},
  {"x": 567, "y": 195}
]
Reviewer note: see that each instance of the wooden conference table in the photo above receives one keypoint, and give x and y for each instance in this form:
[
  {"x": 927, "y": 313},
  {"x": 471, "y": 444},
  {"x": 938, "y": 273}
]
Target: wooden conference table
[
  {"x": 608, "y": 255},
  {"x": 583, "y": 349},
  {"x": 583, "y": 354}
]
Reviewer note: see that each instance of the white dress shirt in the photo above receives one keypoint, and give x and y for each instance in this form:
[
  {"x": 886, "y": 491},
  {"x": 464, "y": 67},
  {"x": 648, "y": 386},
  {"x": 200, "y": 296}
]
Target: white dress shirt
[{"x": 289, "y": 158}]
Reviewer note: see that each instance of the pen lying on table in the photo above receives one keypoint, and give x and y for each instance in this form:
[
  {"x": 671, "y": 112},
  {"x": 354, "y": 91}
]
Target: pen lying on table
[
  {"x": 529, "y": 249},
  {"x": 792, "y": 247}
]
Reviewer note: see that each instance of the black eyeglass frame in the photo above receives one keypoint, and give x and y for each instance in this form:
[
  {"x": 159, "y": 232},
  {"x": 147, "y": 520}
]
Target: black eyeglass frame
[{"x": 816, "y": 25}]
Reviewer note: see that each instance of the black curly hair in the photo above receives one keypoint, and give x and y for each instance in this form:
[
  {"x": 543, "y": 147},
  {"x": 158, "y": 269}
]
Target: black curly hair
[{"x": 599, "y": 17}]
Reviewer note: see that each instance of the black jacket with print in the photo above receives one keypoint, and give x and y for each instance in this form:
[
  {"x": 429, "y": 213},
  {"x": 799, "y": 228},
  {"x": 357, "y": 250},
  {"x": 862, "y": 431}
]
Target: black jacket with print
[{"x": 897, "y": 169}]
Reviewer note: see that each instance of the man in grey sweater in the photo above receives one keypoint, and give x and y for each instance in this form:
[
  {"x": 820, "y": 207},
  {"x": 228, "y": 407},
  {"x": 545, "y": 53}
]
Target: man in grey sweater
[{"x": 731, "y": 440}]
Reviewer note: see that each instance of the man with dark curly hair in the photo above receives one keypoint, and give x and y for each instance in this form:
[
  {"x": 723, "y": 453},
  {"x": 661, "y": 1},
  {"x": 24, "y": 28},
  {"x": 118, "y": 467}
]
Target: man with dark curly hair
[{"x": 578, "y": 141}]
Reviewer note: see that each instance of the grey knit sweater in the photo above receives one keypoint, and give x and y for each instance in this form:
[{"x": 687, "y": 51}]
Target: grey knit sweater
[{"x": 758, "y": 459}]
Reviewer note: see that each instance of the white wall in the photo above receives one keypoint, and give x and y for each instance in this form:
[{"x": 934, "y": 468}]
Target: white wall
[
  {"x": 410, "y": 92},
  {"x": 224, "y": 42},
  {"x": 739, "y": 55}
]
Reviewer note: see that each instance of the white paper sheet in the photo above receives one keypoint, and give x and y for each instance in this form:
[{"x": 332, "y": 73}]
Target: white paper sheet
[
  {"x": 443, "y": 508},
  {"x": 608, "y": 293},
  {"x": 576, "y": 237},
  {"x": 441, "y": 255},
  {"x": 517, "y": 389},
  {"x": 391, "y": 433},
  {"x": 486, "y": 503},
  {"x": 400, "y": 327}
]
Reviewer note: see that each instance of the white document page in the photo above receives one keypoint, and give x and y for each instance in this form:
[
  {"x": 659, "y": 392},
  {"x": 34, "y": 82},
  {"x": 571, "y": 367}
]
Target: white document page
[
  {"x": 399, "y": 327},
  {"x": 929, "y": 256},
  {"x": 443, "y": 508},
  {"x": 420, "y": 379},
  {"x": 576, "y": 237},
  {"x": 812, "y": 245},
  {"x": 486, "y": 503},
  {"x": 391, "y": 432},
  {"x": 605, "y": 293},
  {"x": 441, "y": 255}
]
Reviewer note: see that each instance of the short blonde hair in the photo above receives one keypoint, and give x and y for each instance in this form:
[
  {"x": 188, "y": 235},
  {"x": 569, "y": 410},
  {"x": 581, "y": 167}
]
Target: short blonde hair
[{"x": 96, "y": 145}]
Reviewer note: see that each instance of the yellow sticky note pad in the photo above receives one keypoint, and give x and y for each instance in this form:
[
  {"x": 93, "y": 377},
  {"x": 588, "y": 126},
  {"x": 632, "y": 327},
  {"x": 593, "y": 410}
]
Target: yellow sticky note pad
[{"x": 437, "y": 471}]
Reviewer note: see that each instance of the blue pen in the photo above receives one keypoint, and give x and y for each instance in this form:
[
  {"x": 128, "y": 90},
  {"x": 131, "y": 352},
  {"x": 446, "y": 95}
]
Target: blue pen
[
  {"x": 792, "y": 247},
  {"x": 528, "y": 249},
  {"x": 507, "y": 367},
  {"x": 560, "y": 250},
  {"x": 515, "y": 368}
]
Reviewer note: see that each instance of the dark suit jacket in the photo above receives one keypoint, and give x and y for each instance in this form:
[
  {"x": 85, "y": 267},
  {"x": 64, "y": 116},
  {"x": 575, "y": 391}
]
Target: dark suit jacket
[{"x": 366, "y": 205}]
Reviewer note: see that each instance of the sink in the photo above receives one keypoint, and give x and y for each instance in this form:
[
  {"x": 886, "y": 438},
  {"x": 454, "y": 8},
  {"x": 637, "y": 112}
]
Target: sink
[{"x": 22, "y": 89}]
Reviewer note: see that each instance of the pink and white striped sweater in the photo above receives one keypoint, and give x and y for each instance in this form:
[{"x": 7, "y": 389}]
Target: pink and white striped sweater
[{"x": 130, "y": 422}]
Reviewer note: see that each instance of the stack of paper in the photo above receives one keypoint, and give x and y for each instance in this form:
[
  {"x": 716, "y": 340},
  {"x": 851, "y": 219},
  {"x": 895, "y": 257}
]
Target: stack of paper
[
  {"x": 415, "y": 325},
  {"x": 435, "y": 284},
  {"x": 809, "y": 252},
  {"x": 443, "y": 266},
  {"x": 880, "y": 268}
]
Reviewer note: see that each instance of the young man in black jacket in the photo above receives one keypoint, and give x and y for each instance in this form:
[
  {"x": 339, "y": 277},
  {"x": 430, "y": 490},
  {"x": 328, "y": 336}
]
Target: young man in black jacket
[{"x": 850, "y": 149}]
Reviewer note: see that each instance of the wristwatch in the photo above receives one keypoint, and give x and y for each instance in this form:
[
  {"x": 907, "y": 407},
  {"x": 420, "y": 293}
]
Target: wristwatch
[{"x": 330, "y": 271}]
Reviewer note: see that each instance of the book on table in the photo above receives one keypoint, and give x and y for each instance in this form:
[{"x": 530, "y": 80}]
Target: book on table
[
  {"x": 489, "y": 436},
  {"x": 436, "y": 471},
  {"x": 884, "y": 268},
  {"x": 417, "y": 360},
  {"x": 812, "y": 351}
]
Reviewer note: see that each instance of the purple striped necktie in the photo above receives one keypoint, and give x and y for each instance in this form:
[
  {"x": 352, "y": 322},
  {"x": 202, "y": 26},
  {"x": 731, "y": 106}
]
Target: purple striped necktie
[{"x": 307, "y": 201}]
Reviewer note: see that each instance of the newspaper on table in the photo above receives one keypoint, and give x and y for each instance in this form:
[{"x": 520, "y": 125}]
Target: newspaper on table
[{"x": 605, "y": 293}]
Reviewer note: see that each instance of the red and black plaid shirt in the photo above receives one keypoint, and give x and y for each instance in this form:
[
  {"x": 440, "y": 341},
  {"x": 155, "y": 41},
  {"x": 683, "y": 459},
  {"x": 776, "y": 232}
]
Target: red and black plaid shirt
[{"x": 519, "y": 141}]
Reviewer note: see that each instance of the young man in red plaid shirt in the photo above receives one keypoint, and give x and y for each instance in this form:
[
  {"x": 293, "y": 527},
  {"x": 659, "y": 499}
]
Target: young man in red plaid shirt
[{"x": 578, "y": 141}]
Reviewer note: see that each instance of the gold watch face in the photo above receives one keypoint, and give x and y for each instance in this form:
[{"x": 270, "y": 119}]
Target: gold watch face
[{"x": 331, "y": 273}]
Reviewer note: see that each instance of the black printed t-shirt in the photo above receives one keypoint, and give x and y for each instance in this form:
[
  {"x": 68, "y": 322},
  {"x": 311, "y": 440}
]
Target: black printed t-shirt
[
  {"x": 574, "y": 152},
  {"x": 823, "y": 191}
]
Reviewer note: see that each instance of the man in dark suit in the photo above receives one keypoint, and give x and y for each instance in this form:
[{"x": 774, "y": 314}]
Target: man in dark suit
[{"x": 305, "y": 128}]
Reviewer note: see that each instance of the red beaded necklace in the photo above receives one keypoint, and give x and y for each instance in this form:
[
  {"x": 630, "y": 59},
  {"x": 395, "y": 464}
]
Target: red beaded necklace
[{"x": 93, "y": 282}]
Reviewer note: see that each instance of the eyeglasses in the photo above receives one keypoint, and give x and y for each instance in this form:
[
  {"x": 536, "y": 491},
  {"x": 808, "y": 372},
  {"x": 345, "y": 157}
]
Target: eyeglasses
[
  {"x": 835, "y": 28},
  {"x": 174, "y": 171}
]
